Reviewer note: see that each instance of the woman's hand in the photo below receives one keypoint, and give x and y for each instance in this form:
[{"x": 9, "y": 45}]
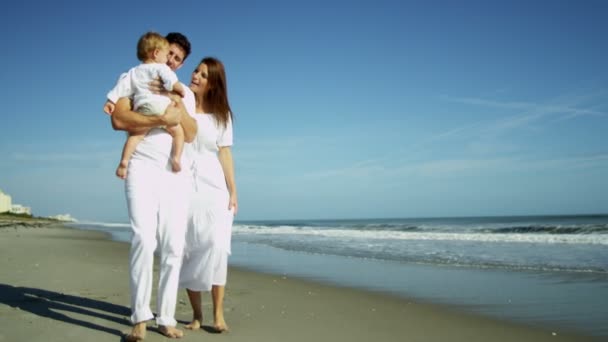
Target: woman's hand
[
  {"x": 233, "y": 204},
  {"x": 225, "y": 157}
]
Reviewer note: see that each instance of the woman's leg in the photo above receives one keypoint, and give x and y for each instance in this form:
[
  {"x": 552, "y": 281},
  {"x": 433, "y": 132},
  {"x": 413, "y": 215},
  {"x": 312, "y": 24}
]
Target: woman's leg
[
  {"x": 217, "y": 295},
  {"x": 197, "y": 310}
]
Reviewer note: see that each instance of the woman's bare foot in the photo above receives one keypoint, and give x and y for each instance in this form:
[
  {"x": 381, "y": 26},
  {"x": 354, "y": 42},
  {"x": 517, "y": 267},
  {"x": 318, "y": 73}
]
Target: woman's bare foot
[
  {"x": 195, "y": 324},
  {"x": 138, "y": 333},
  {"x": 121, "y": 170},
  {"x": 220, "y": 325},
  {"x": 176, "y": 165},
  {"x": 170, "y": 332}
]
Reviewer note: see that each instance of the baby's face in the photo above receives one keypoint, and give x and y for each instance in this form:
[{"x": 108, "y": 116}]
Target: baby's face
[{"x": 162, "y": 56}]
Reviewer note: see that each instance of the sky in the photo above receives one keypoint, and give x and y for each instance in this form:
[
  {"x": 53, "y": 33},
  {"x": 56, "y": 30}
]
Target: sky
[{"x": 343, "y": 109}]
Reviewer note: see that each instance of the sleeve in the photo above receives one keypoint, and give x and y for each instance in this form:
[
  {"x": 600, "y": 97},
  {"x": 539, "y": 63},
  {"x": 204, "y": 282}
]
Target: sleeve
[
  {"x": 121, "y": 89},
  {"x": 225, "y": 137},
  {"x": 168, "y": 76}
]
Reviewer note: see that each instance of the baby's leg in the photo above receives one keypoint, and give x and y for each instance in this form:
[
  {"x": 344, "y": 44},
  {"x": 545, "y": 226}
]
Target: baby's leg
[
  {"x": 177, "y": 132},
  {"x": 127, "y": 151}
]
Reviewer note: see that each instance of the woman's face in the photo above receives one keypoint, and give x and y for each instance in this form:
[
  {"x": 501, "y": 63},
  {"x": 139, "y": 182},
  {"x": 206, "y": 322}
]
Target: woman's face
[{"x": 198, "y": 83}]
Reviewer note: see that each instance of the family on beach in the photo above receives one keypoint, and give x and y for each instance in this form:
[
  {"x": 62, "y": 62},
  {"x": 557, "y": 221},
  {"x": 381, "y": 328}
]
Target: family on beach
[{"x": 179, "y": 180}]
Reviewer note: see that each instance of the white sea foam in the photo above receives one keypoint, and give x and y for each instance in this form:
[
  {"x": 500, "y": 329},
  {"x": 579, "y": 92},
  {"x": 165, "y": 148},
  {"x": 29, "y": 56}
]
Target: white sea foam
[
  {"x": 594, "y": 239},
  {"x": 105, "y": 224}
]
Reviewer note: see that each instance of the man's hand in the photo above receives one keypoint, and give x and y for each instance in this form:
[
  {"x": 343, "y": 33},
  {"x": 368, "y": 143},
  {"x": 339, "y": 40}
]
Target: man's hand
[
  {"x": 172, "y": 115},
  {"x": 156, "y": 86},
  {"x": 124, "y": 119}
]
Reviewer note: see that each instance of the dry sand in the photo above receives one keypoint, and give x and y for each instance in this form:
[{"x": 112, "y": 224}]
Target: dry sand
[{"x": 61, "y": 284}]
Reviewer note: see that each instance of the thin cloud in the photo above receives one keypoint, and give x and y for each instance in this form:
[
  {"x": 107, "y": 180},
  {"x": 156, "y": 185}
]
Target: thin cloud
[
  {"x": 527, "y": 114},
  {"x": 62, "y": 157},
  {"x": 574, "y": 115},
  {"x": 356, "y": 170},
  {"x": 456, "y": 167},
  {"x": 528, "y": 106},
  {"x": 568, "y": 107},
  {"x": 576, "y": 162}
]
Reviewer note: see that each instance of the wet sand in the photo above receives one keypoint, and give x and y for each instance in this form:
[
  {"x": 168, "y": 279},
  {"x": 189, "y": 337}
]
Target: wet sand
[{"x": 63, "y": 284}]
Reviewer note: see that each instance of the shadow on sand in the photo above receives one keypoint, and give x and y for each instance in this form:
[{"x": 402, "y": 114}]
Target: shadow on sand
[{"x": 47, "y": 304}]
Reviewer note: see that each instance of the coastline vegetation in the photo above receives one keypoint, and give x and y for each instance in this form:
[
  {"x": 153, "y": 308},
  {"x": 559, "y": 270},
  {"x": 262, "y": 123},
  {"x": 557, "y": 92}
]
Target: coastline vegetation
[
  {"x": 13, "y": 215},
  {"x": 12, "y": 219}
]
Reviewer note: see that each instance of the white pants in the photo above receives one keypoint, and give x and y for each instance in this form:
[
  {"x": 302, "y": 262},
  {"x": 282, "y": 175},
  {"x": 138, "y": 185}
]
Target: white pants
[{"x": 157, "y": 200}]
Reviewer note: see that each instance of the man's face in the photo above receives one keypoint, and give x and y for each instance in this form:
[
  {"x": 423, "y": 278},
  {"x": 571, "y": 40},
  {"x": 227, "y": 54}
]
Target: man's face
[{"x": 176, "y": 56}]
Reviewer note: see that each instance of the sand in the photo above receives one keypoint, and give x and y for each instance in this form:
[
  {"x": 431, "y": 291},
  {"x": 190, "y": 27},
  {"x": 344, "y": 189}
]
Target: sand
[{"x": 62, "y": 284}]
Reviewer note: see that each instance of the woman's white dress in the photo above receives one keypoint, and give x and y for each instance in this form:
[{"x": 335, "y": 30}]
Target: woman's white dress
[{"x": 209, "y": 220}]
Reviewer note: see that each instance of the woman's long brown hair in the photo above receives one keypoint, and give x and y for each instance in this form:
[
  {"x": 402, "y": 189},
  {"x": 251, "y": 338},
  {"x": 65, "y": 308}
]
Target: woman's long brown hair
[{"x": 216, "y": 96}]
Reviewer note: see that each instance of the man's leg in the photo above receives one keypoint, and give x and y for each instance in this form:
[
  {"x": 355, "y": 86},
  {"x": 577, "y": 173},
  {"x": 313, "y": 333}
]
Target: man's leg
[
  {"x": 173, "y": 216},
  {"x": 142, "y": 202}
]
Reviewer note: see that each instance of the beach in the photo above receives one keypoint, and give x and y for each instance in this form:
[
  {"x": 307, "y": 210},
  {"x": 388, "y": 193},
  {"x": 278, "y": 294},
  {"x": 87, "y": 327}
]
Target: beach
[{"x": 65, "y": 284}]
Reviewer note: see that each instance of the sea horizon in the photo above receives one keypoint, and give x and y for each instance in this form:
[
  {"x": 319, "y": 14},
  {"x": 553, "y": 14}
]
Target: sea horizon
[{"x": 238, "y": 221}]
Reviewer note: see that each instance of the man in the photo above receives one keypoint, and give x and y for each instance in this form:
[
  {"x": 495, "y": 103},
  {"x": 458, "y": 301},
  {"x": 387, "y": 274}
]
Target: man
[{"x": 157, "y": 200}]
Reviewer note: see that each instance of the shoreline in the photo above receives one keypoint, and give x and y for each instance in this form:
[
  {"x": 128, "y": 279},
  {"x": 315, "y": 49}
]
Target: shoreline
[
  {"x": 549, "y": 300},
  {"x": 62, "y": 279}
]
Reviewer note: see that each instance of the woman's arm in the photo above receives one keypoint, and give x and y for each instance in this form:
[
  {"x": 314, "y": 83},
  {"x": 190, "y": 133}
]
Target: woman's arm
[
  {"x": 125, "y": 119},
  {"x": 225, "y": 156}
]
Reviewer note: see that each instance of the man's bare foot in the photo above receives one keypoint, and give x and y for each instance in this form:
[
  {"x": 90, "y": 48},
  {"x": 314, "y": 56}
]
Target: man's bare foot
[
  {"x": 176, "y": 165},
  {"x": 138, "y": 333},
  {"x": 195, "y": 324},
  {"x": 121, "y": 170},
  {"x": 170, "y": 332},
  {"x": 220, "y": 325}
]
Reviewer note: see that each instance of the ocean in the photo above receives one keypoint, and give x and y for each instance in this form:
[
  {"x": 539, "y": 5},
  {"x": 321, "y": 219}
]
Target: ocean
[{"x": 549, "y": 271}]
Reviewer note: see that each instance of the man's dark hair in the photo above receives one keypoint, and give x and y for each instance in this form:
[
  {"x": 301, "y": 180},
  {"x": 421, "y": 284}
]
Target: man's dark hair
[{"x": 181, "y": 40}]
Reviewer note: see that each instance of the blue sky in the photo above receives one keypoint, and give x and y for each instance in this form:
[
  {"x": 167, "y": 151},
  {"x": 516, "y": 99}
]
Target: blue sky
[{"x": 343, "y": 109}]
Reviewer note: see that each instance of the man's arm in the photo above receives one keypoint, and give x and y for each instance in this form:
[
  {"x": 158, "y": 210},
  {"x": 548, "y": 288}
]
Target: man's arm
[
  {"x": 188, "y": 123},
  {"x": 125, "y": 119}
]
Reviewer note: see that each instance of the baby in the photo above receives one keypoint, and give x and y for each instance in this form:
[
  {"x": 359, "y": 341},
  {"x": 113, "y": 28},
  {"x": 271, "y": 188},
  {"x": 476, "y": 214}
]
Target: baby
[{"x": 152, "y": 51}]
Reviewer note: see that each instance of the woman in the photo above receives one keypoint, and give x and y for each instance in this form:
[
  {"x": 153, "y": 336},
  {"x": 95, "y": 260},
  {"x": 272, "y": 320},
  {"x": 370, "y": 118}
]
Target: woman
[{"x": 214, "y": 202}]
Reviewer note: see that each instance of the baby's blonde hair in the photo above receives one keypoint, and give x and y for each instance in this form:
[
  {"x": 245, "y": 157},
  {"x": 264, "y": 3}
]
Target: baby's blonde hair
[{"x": 149, "y": 42}]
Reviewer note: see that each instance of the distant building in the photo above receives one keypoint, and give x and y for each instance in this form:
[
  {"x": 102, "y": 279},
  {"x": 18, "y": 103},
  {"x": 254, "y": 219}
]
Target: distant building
[
  {"x": 20, "y": 209},
  {"x": 5, "y": 202}
]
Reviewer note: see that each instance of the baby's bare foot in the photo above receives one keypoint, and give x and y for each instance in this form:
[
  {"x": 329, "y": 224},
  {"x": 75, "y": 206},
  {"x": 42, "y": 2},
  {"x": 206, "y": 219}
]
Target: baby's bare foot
[
  {"x": 170, "y": 332},
  {"x": 138, "y": 333},
  {"x": 121, "y": 170},
  {"x": 194, "y": 325}
]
